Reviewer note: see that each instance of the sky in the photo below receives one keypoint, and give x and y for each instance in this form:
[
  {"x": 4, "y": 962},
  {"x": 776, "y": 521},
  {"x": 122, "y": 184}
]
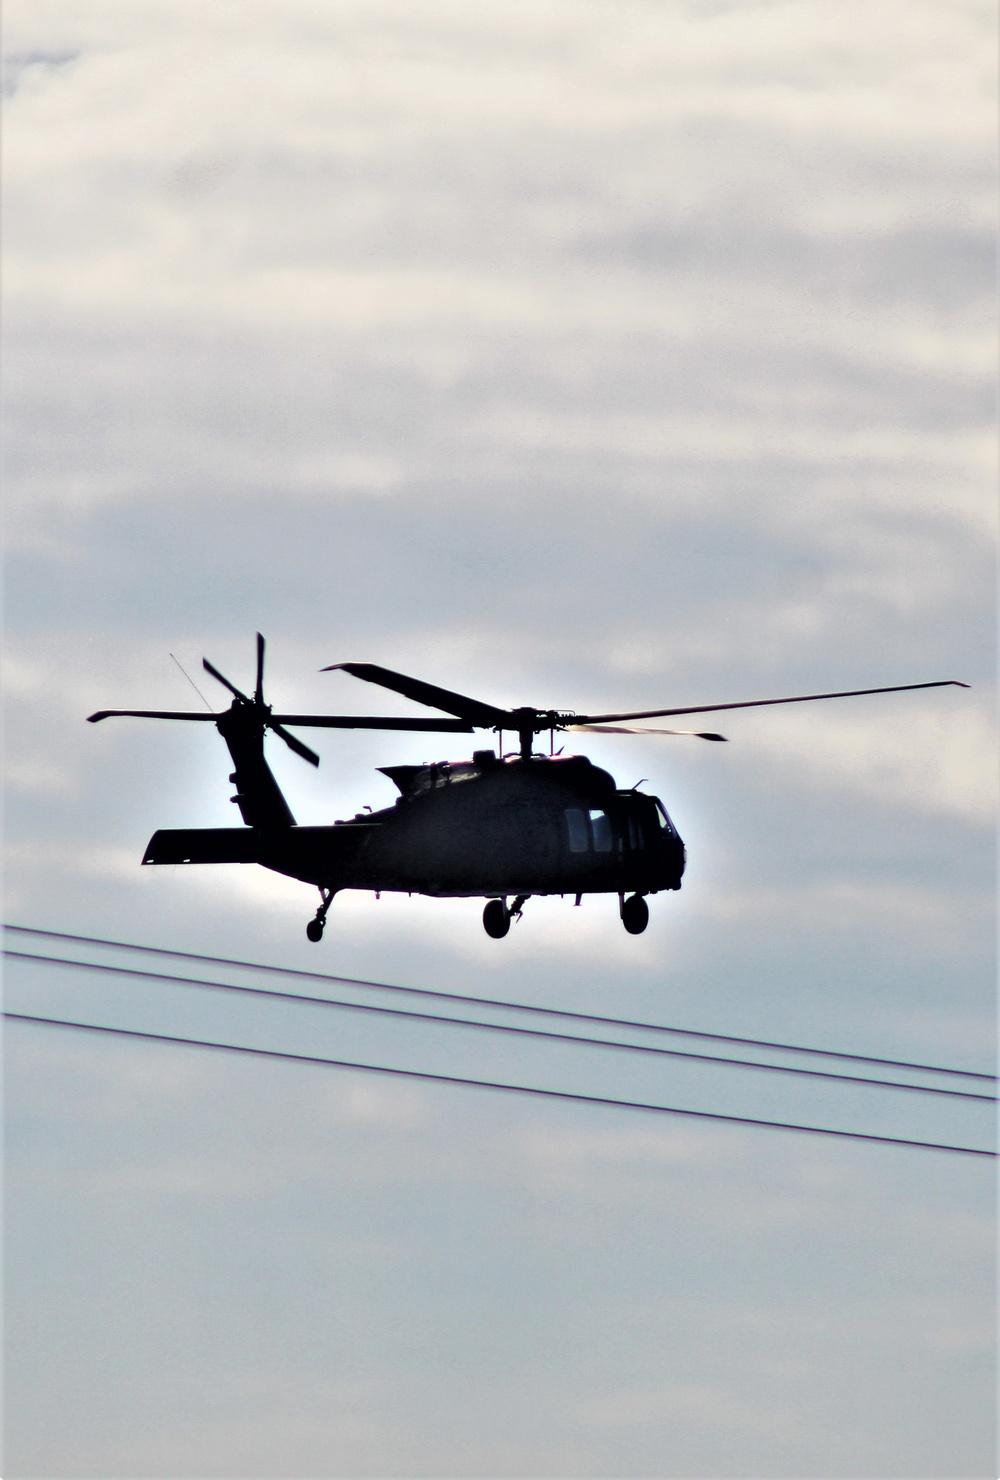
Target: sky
[{"x": 586, "y": 355}]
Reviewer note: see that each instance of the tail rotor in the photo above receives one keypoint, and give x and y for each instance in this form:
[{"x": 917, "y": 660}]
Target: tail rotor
[{"x": 260, "y": 711}]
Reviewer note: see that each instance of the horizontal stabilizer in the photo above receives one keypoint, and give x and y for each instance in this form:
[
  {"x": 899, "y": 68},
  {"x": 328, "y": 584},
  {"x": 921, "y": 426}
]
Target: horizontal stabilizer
[{"x": 203, "y": 845}]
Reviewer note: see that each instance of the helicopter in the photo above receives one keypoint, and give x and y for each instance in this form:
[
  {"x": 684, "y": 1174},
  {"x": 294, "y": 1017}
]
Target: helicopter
[{"x": 501, "y": 826}]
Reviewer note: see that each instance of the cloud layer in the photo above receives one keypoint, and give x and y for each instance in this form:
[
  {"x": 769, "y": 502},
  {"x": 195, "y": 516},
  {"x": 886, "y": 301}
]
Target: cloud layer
[{"x": 593, "y": 355}]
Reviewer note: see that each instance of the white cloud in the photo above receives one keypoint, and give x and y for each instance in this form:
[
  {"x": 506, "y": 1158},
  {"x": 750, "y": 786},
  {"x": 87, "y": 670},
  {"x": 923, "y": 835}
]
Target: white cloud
[{"x": 940, "y": 759}]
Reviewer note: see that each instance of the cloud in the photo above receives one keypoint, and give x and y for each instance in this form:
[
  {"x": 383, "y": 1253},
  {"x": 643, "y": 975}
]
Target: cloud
[
  {"x": 32, "y": 67},
  {"x": 604, "y": 356},
  {"x": 939, "y": 762}
]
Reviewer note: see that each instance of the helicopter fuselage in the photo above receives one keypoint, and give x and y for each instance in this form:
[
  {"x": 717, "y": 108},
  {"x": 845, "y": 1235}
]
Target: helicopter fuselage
[{"x": 489, "y": 827}]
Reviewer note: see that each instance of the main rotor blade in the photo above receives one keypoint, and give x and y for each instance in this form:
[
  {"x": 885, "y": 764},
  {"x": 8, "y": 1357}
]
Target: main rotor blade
[
  {"x": 209, "y": 668},
  {"x": 640, "y": 730},
  {"x": 258, "y": 692},
  {"x": 151, "y": 714},
  {"x": 368, "y": 722},
  {"x": 897, "y": 688},
  {"x": 293, "y": 744},
  {"x": 485, "y": 716}
]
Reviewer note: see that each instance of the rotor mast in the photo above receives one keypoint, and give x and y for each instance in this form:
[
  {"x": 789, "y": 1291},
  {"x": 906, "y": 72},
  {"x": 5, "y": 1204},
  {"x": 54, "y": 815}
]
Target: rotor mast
[{"x": 530, "y": 722}]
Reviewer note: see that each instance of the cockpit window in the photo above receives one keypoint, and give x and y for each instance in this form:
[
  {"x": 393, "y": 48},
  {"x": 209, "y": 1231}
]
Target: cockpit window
[
  {"x": 589, "y": 829},
  {"x": 663, "y": 819},
  {"x": 601, "y": 825}
]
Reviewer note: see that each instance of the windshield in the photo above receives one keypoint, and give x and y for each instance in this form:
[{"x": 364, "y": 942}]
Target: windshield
[{"x": 663, "y": 819}]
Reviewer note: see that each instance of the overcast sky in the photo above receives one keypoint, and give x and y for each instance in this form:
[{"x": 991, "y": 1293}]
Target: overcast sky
[{"x": 584, "y": 355}]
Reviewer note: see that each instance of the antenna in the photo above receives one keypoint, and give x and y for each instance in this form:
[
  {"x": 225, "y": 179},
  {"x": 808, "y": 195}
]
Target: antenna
[{"x": 191, "y": 681}]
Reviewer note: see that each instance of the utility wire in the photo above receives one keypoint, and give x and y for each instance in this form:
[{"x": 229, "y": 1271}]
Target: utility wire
[
  {"x": 526, "y": 1007},
  {"x": 520, "y": 1089},
  {"x": 442, "y": 1019}
]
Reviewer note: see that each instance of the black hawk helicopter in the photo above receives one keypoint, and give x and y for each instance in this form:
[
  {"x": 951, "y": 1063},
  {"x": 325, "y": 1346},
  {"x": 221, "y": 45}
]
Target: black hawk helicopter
[{"x": 502, "y": 826}]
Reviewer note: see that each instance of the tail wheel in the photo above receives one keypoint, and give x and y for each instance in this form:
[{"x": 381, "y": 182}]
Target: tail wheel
[
  {"x": 496, "y": 919},
  {"x": 314, "y": 930},
  {"x": 635, "y": 914}
]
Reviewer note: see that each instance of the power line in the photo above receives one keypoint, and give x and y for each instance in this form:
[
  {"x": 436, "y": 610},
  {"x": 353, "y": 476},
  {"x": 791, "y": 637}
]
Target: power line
[
  {"x": 520, "y": 1089},
  {"x": 525, "y": 1007},
  {"x": 442, "y": 1019}
]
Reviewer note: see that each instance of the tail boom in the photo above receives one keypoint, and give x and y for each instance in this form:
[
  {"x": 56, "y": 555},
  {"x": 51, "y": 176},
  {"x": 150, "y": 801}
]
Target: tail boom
[{"x": 325, "y": 856}]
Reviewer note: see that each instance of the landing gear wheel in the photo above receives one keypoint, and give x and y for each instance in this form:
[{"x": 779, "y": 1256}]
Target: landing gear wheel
[
  {"x": 635, "y": 914},
  {"x": 496, "y": 920},
  {"x": 314, "y": 930}
]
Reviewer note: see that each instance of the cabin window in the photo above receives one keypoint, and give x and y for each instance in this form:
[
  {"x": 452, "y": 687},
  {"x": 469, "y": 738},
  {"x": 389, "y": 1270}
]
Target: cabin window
[
  {"x": 635, "y": 838},
  {"x": 576, "y": 824},
  {"x": 603, "y": 837}
]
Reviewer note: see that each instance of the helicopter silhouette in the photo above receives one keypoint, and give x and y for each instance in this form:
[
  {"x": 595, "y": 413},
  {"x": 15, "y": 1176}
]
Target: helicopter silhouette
[{"x": 500, "y": 826}]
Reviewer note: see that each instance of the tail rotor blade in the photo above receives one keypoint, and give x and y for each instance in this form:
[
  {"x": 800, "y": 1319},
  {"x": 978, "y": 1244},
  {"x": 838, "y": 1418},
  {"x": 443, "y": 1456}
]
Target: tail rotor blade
[
  {"x": 296, "y": 745},
  {"x": 210, "y": 668},
  {"x": 258, "y": 692}
]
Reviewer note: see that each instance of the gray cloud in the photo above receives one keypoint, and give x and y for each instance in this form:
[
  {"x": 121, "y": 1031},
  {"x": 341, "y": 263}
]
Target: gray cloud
[
  {"x": 935, "y": 267},
  {"x": 595, "y": 357},
  {"x": 19, "y": 65},
  {"x": 728, "y": 1372}
]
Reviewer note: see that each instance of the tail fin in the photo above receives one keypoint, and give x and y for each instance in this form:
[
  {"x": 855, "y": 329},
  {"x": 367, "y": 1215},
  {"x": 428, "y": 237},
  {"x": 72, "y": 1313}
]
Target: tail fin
[{"x": 258, "y": 795}]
